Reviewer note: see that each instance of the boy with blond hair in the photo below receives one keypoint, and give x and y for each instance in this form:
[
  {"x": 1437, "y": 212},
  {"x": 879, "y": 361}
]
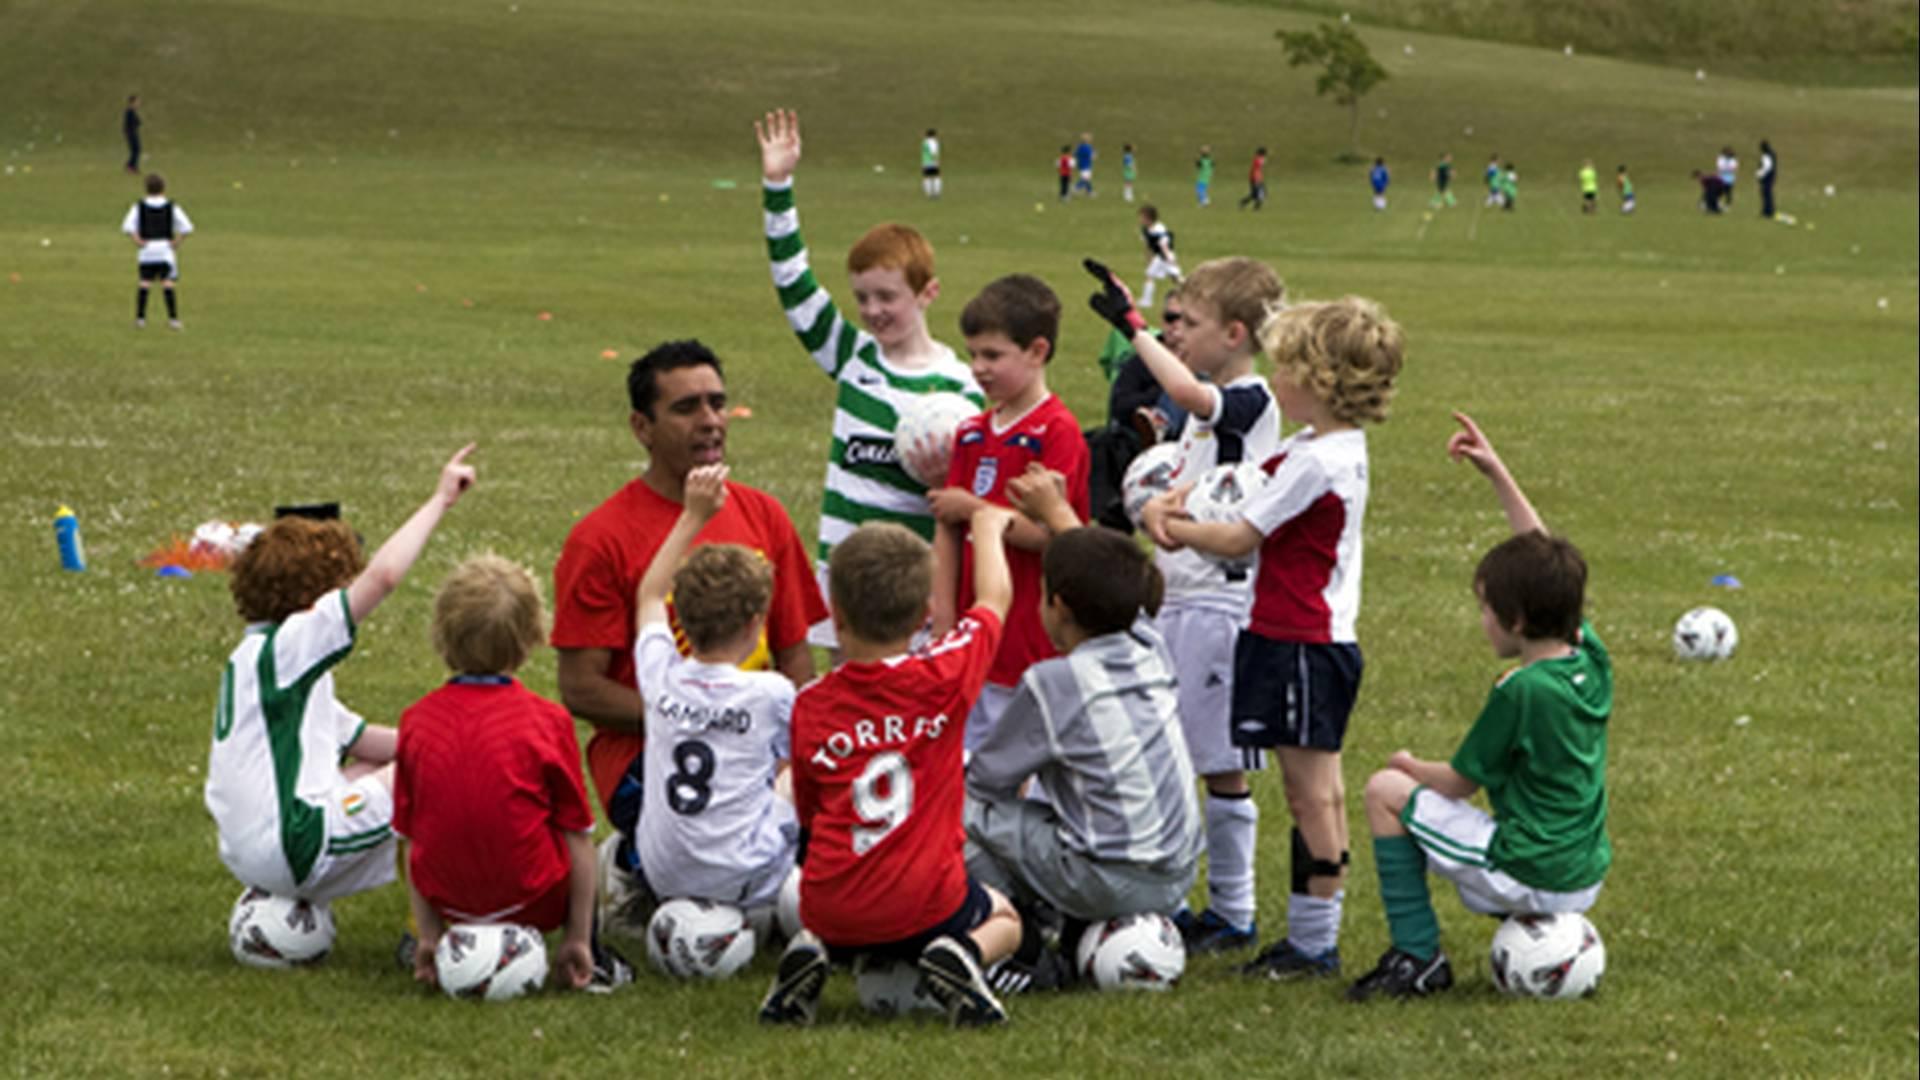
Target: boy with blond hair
[
  {"x": 1539, "y": 747},
  {"x": 879, "y": 371},
  {"x": 292, "y": 819},
  {"x": 1011, "y": 328},
  {"x": 1297, "y": 665},
  {"x": 1232, "y": 417},
  {"x": 488, "y": 788},
  {"x": 878, "y": 781},
  {"x": 711, "y": 826}
]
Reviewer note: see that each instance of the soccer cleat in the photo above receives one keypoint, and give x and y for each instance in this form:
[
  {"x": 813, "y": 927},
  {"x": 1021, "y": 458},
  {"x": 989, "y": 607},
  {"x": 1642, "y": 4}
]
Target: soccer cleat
[
  {"x": 1010, "y": 976},
  {"x": 610, "y": 970},
  {"x": 1402, "y": 975},
  {"x": 1282, "y": 962},
  {"x": 139, "y": 324},
  {"x": 626, "y": 903},
  {"x": 795, "y": 993},
  {"x": 175, "y": 324},
  {"x": 403, "y": 951},
  {"x": 949, "y": 974},
  {"x": 1207, "y": 932}
]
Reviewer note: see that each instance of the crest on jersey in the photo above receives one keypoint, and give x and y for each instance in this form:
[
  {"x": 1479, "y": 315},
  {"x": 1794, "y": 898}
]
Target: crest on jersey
[
  {"x": 984, "y": 475},
  {"x": 353, "y": 803}
]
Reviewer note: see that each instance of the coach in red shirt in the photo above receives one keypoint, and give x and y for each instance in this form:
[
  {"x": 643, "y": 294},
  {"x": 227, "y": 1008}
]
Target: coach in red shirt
[{"x": 679, "y": 400}]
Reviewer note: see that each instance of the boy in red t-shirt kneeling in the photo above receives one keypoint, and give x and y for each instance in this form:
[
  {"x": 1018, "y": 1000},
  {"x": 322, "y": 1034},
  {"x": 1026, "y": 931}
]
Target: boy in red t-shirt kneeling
[{"x": 878, "y": 781}]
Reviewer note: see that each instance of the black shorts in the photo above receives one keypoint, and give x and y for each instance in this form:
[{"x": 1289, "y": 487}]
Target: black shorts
[
  {"x": 159, "y": 271},
  {"x": 972, "y": 912},
  {"x": 1589, "y": 196},
  {"x": 1286, "y": 693},
  {"x": 929, "y": 170}
]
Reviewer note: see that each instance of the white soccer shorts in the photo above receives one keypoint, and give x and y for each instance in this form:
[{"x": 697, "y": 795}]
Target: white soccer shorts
[
  {"x": 1455, "y": 835},
  {"x": 1201, "y": 642}
]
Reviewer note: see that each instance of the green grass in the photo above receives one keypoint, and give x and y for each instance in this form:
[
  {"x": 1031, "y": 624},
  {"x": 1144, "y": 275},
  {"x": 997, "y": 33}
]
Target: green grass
[{"x": 1681, "y": 395}]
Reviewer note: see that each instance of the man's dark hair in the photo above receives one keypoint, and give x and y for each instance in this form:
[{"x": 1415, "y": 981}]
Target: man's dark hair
[
  {"x": 1103, "y": 578},
  {"x": 643, "y": 378},
  {"x": 1536, "y": 582}
]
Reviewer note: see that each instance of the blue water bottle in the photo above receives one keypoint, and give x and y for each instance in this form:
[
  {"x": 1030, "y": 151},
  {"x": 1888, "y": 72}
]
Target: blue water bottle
[{"x": 66, "y": 529}]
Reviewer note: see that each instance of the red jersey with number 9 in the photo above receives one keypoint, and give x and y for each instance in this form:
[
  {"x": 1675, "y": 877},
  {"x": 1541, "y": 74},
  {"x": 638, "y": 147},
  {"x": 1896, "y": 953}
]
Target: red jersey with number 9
[{"x": 878, "y": 781}]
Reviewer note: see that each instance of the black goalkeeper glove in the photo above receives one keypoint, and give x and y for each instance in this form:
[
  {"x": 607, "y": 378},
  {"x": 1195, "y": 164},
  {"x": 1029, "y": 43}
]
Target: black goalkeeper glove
[{"x": 1113, "y": 302}]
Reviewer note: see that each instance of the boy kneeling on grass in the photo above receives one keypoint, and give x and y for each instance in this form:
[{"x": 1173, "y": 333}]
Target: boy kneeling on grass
[
  {"x": 488, "y": 788},
  {"x": 1539, "y": 747}
]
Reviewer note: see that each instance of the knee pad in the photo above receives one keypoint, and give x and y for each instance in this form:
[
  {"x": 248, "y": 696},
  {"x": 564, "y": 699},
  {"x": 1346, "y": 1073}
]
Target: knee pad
[{"x": 1306, "y": 867}]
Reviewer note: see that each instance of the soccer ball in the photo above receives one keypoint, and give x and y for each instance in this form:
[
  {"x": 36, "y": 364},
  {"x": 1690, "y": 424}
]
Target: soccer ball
[
  {"x": 787, "y": 908},
  {"x": 1133, "y": 952},
  {"x": 699, "y": 939},
  {"x": 215, "y": 540},
  {"x": 1150, "y": 473},
  {"x": 1705, "y": 633},
  {"x": 1219, "y": 496},
  {"x": 1547, "y": 956},
  {"x": 268, "y": 931},
  {"x": 490, "y": 961},
  {"x": 891, "y": 988},
  {"x": 924, "y": 436}
]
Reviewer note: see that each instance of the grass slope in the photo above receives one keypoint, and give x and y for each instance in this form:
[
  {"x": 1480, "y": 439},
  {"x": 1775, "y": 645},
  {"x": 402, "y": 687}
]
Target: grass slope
[{"x": 1682, "y": 395}]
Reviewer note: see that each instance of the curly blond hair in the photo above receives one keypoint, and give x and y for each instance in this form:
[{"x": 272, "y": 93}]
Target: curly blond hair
[
  {"x": 292, "y": 564},
  {"x": 487, "y": 617},
  {"x": 719, "y": 591},
  {"x": 1346, "y": 352}
]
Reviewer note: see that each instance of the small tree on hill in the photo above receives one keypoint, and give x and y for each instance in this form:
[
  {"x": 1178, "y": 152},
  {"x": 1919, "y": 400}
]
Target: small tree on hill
[{"x": 1348, "y": 70}]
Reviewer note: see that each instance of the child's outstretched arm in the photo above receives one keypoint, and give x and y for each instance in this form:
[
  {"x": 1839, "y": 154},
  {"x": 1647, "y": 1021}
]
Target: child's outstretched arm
[
  {"x": 946, "y": 576},
  {"x": 395, "y": 557},
  {"x": 779, "y": 137},
  {"x": 1472, "y": 445},
  {"x": 706, "y": 493},
  {"x": 992, "y": 580},
  {"x": 1115, "y": 304}
]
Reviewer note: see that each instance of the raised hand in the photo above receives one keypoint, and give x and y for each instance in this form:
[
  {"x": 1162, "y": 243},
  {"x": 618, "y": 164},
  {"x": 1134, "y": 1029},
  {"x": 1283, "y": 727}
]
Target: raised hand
[
  {"x": 456, "y": 476},
  {"x": 1471, "y": 444},
  {"x": 779, "y": 135},
  {"x": 1113, "y": 302},
  {"x": 706, "y": 490}
]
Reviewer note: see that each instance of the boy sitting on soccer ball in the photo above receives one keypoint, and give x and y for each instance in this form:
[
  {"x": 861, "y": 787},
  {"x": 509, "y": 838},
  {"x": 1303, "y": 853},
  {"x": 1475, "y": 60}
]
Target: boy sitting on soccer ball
[
  {"x": 488, "y": 789},
  {"x": 1539, "y": 747},
  {"x": 292, "y": 819}
]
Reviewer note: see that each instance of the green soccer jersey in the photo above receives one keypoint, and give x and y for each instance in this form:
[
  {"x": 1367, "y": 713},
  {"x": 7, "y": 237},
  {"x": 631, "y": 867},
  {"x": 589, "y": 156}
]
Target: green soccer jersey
[
  {"x": 1540, "y": 750},
  {"x": 1203, "y": 170},
  {"x": 1626, "y": 186},
  {"x": 1589, "y": 181},
  {"x": 865, "y": 481}
]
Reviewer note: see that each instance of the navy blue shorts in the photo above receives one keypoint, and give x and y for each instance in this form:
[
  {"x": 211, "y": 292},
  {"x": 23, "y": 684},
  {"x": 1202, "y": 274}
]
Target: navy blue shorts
[
  {"x": 972, "y": 912},
  {"x": 159, "y": 271},
  {"x": 1286, "y": 693}
]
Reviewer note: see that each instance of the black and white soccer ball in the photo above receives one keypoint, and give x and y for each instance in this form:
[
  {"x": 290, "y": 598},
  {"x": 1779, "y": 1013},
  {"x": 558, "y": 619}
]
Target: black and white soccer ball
[
  {"x": 1149, "y": 473},
  {"x": 699, "y": 939},
  {"x": 892, "y": 988},
  {"x": 1132, "y": 952},
  {"x": 1221, "y": 493},
  {"x": 268, "y": 931},
  {"x": 1547, "y": 956},
  {"x": 923, "y": 437},
  {"x": 1705, "y": 633},
  {"x": 490, "y": 961}
]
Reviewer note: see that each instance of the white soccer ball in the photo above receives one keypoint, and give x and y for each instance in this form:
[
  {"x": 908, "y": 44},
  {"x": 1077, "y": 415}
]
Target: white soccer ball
[
  {"x": 787, "y": 908},
  {"x": 490, "y": 961},
  {"x": 1705, "y": 633},
  {"x": 1219, "y": 496},
  {"x": 1133, "y": 952},
  {"x": 924, "y": 435},
  {"x": 215, "y": 538},
  {"x": 699, "y": 939},
  {"x": 891, "y": 988},
  {"x": 1547, "y": 956},
  {"x": 268, "y": 931},
  {"x": 1150, "y": 473}
]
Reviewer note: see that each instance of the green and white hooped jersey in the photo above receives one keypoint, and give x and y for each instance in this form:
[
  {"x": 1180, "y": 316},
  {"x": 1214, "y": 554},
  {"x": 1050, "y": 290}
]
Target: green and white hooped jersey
[
  {"x": 864, "y": 479},
  {"x": 278, "y": 735}
]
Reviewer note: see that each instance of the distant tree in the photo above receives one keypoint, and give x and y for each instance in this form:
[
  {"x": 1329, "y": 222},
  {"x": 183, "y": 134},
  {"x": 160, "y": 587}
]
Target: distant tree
[{"x": 1348, "y": 70}]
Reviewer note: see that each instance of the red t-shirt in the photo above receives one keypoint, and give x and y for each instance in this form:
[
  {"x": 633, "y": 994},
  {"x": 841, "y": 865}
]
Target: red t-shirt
[
  {"x": 984, "y": 459},
  {"x": 607, "y": 553},
  {"x": 1065, "y": 165},
  {"x": 878, "y": 781},
  {"x": 487, "y": 783}
]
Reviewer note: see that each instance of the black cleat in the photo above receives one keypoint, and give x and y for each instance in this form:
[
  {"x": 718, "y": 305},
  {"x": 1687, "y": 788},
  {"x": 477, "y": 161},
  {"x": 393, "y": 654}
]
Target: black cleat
[
  {"x": 949, "y": 974},
  {"x": 1402, "y": 975},
  {"x": 795, "y": 994}
]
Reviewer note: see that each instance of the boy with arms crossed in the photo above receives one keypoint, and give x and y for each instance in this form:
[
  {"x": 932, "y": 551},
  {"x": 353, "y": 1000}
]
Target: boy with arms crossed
[
  {"x": 1232, "y": 417},
  {"x": 878, "y": 784},
  {"x": 1297, "y": 666},
  {"x": 1010, "y": 328},
  {"x": 1539, "y": 747},
  {"x": 878, "y": 371},
  {"x": 488, "y": 790},
  {"x": 711, "y": 826}
]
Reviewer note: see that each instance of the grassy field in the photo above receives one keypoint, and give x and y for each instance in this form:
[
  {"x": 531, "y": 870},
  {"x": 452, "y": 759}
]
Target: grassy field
[{"x": 389, "y": 195}]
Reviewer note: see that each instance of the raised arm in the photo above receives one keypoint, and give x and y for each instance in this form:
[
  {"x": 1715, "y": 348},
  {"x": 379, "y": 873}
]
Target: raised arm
[
  {"x": 1471, "y": 444},
  {"x": 1114, "y": 303},
  {"x": 992, "y": 580},
  {"x": 706, "y": 493},
  {"x": 395, "y": 557},
  {"x": 826, "y": 335}
]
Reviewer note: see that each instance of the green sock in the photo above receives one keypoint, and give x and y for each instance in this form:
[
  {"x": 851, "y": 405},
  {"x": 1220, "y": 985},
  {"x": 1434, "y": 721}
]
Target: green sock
[{"x": 1411, "y": 923}]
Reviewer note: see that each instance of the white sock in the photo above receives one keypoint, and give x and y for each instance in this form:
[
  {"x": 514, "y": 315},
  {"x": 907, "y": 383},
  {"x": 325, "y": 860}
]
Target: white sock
[
  {"x": 1146, "y": 298},
  {"x": 936, "y": 186},
  {"x": 1233, "y": 822},
  {"x": 1313, "y": 922}
]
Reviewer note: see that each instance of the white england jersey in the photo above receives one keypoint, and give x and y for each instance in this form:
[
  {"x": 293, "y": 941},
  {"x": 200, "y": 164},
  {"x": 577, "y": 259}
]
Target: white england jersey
[
  {"x": 1244, "y": 426},
  {"x": 156, "y": 251},
  {"x": 278, "y": 735},
  {"x": 711, "y": 827}
]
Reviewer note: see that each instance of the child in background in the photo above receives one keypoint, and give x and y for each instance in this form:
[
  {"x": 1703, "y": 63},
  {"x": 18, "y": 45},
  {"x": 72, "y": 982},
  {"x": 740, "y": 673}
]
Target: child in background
[
  {"x": 1162, "y": 263},
  {"x": 711, "y": 826},
  {"x": 488, "y": 789},
  {"x": 1256, "y": 181},
  {"x": 1442, "y": 182},
  {"x": 1083, "y": 164},
  {"x": 1509, "y": 187},
  {"x": 1128, "y": 172},
  {"x": 1011, "y": 328},
  {"x": 878, "y": 781},
  {"x": 1539, "y": 747},
  {"x": 292, "y": 819},
  {"x": 1377, "y": 178},
  {"x": 1064, "y": 165},
  {"x": 1203, "y": 177},
  {"x": 878, "y": 371},
  {"x": 1493, "y": 175},
  {"x": 1624, "y": 184},
  {"x": 1297, "y": 664},
  {"x": 157, "y": 227},
  {"x": 1589, "y": 187},
  {"x": 930, "y": 165}
]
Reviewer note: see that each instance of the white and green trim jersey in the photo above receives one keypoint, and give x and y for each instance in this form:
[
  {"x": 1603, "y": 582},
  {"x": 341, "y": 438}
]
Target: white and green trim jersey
[
  {"x": 864, "y": 479},
  {"x": 278, "y": 736}
]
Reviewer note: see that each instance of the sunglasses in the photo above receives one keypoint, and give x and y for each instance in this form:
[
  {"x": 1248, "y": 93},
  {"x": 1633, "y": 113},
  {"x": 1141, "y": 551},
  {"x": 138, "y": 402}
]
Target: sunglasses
[{"x": 1171, "y": 318}]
